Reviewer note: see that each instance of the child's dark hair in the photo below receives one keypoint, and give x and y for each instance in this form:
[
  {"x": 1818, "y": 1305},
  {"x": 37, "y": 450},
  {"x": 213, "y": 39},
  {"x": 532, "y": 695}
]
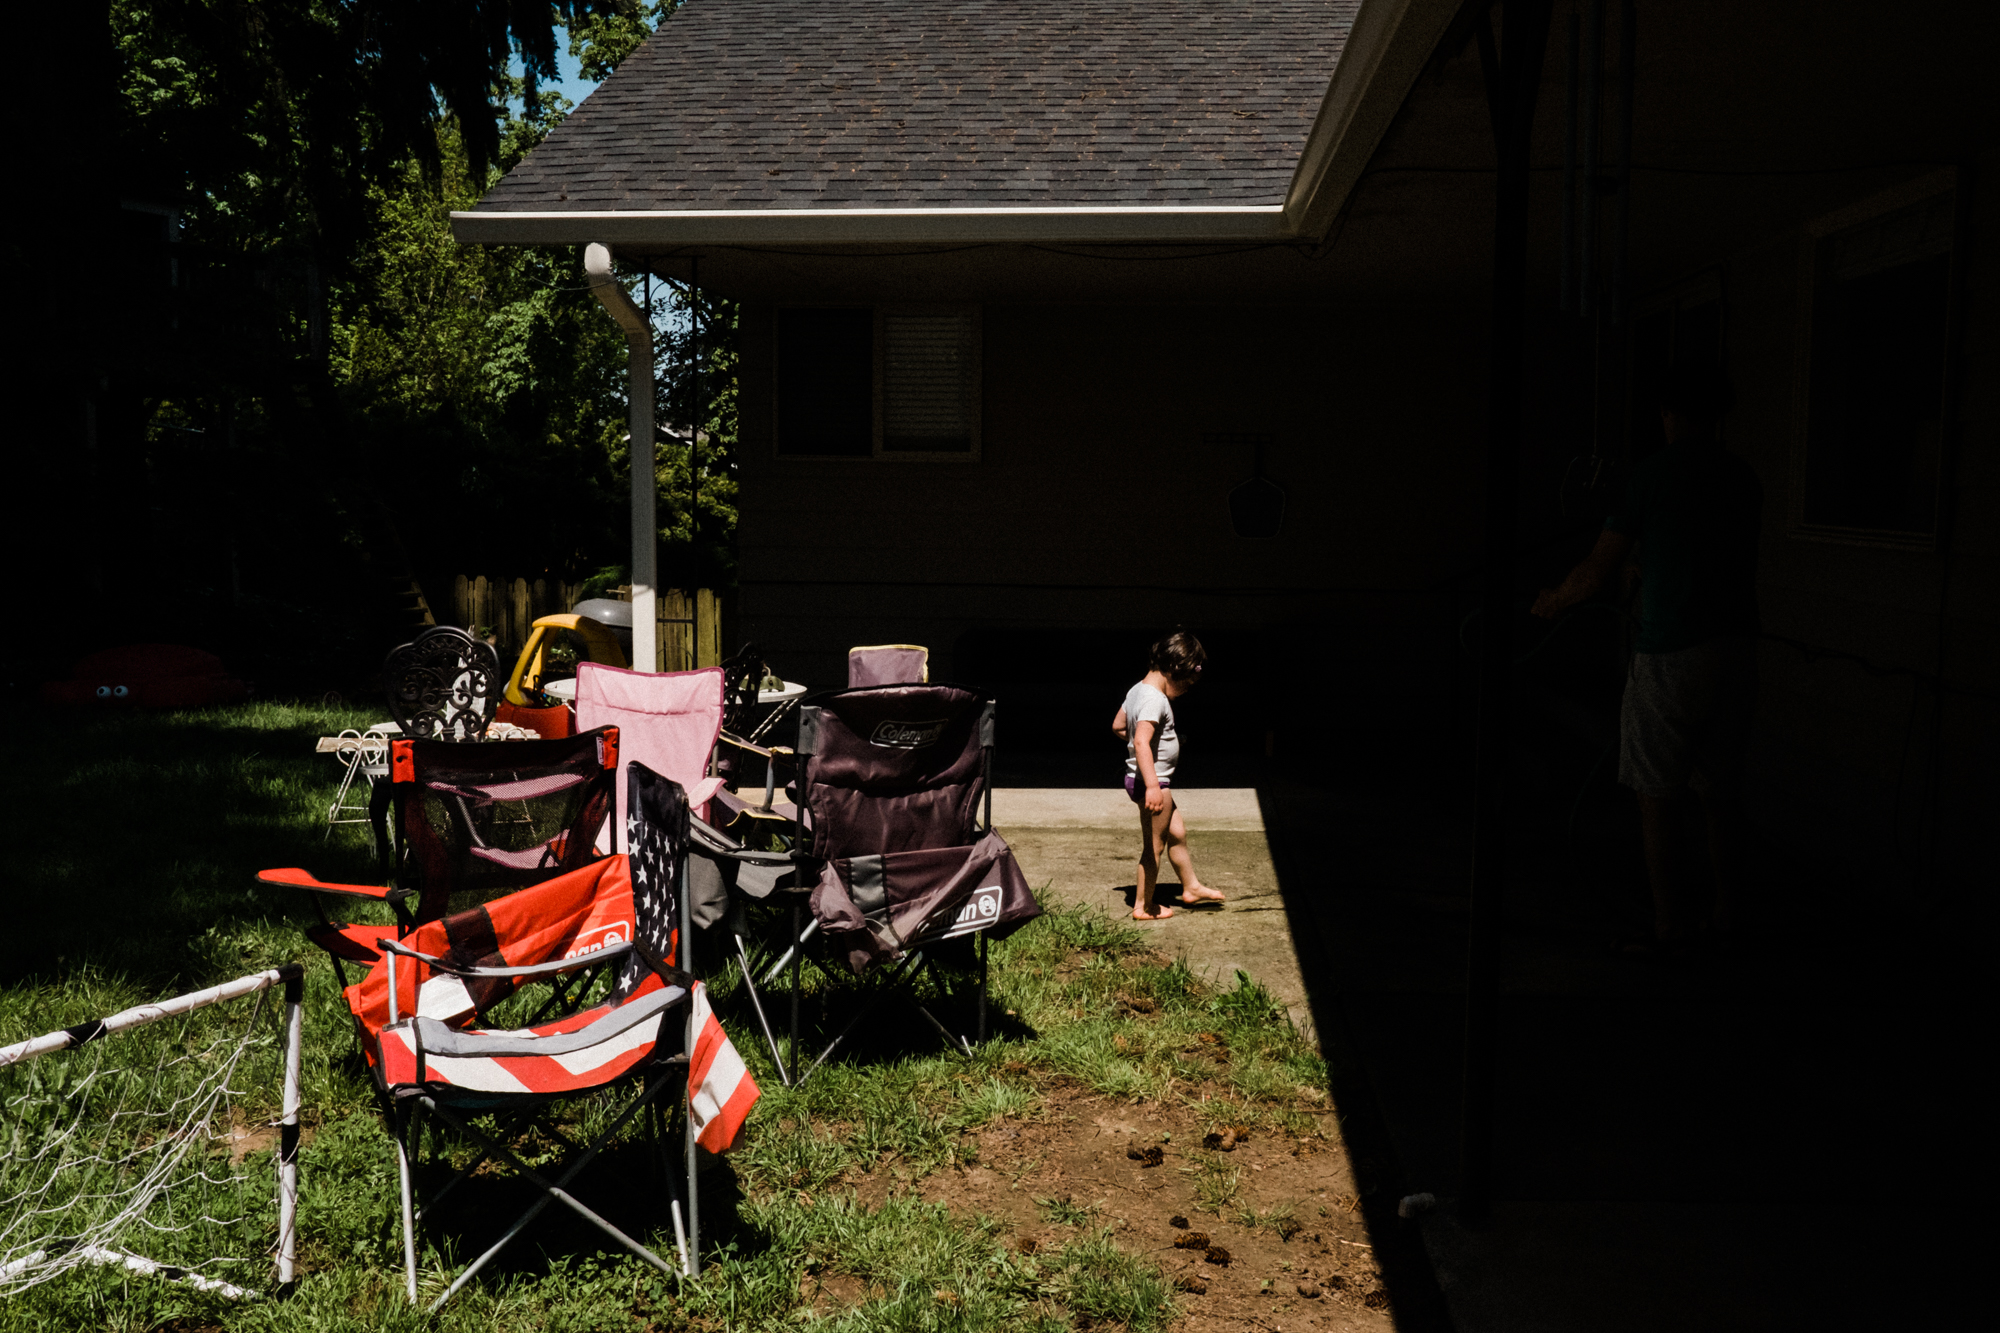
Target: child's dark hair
[{"x": 1179, "y": 656}]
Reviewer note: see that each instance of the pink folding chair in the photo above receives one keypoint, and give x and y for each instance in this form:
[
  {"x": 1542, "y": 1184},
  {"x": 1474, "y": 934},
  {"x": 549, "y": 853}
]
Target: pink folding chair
[
  {"x": 888, "y": 664},
  {"x": 668, "y": 721}
]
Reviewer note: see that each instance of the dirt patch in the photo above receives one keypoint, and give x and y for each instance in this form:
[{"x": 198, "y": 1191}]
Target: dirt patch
[
  {"x": 829, "y": 1293},
  {"x": 1285, "y": 1247},
  {"x": 244, "y": 1139}
]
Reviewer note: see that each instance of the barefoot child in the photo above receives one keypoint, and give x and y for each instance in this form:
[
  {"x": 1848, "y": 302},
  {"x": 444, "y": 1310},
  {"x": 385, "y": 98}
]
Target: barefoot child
[{"x": 1152, "y": 749}]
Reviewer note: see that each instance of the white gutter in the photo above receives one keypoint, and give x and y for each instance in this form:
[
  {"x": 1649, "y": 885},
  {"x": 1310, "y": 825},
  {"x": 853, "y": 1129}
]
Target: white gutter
[
  {"x": 639, "y": 381},
  {"x": 1386, "y": 50},
  {"x": 864, "y": 226}
]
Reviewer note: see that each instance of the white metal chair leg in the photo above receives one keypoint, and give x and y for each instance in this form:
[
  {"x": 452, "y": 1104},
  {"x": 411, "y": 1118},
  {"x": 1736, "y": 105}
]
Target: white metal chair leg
[
  {"x": 402, "y": 1137},
  {"x": 693, "y": 1193},
  {"x": 552, "y": 1191},
  {"x": 757, "y": 1003}
]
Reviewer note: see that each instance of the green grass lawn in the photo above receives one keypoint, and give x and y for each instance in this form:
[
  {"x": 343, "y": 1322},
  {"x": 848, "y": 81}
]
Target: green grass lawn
[{"x": 138, "y": 837}]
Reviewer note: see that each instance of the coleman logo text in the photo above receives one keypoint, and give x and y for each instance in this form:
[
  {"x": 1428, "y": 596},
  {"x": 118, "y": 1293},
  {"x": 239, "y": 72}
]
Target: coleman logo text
[
  {"x": 906, "y": 735},
  {"x": 981, "y": 910},
  {"x": 600, "y": 937}
]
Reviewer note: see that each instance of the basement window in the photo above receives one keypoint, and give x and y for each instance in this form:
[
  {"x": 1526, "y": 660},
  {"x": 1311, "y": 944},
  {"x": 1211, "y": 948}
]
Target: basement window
[
  {"x": 882, "y": 382},
  {"x": 1880, "y": 303}
]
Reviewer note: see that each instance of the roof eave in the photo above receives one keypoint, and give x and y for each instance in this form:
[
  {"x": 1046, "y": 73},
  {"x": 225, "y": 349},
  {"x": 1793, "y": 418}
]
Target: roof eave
[
  {"x": 1385, "y": 51},
  {"x": 1388, "y": 47},
  {"x": 1261, "y": 223}
]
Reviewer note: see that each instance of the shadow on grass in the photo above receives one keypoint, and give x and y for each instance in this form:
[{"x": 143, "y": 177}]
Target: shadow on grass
[
  {"x": 623, "y": 1185},
  {"x": 143, "y": 832}
]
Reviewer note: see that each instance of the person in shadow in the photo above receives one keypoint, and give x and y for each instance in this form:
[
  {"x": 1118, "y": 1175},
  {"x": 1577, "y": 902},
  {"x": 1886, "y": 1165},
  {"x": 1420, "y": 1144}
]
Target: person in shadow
[{"x": 1692, "y": 512}]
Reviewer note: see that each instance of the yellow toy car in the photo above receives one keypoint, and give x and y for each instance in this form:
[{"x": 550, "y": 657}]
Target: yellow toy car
[{"x": 522, "y": 704}]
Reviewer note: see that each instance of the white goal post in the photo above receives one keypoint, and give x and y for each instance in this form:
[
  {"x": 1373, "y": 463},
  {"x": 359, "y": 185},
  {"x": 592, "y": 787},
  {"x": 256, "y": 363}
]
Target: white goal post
[{"x": 292, "y": 977}]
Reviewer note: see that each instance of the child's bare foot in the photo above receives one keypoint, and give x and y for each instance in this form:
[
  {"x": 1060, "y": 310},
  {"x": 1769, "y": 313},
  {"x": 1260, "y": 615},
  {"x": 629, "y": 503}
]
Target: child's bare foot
[
  {"x": 1157, "y": 912},
  {"x": 1200, "y": 893}
]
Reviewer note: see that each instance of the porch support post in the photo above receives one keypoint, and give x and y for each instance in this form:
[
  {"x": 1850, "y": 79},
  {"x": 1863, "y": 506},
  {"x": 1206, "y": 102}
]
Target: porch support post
[
  {"x": 1515, "y": 71},
  {"x": 645, "y": 526}
]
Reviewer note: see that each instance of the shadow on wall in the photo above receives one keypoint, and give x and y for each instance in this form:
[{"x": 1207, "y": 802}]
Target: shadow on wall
[
  {"x": 1058, "y": 688},
  {"x": 1265, "y": 692}
]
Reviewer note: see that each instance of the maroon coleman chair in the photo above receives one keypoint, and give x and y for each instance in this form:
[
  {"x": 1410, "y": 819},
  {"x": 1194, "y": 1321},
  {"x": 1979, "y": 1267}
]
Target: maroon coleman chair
[
  {"x": 473, "y": 820},
  {"x": 433, "y": 1012},
  {"x": 890, "y": 856}
]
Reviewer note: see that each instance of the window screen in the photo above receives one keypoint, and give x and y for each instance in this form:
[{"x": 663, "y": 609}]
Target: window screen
[
  {"x": 1874, "y": 420},
  {"x": 826, "y": 382},
  {"x": 930, "y": 382}
]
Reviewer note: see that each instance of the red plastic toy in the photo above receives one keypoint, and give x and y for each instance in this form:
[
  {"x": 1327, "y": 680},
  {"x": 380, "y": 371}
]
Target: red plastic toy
[{"x": 150, "y": 675}]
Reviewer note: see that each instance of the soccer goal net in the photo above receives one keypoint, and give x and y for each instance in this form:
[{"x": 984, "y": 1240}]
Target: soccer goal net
[{"x": 146, "y": 1142}]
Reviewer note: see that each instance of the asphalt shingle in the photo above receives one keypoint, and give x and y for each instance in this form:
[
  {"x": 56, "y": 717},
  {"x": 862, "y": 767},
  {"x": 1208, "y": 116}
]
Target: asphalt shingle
[{"x": 775, "y": 104}]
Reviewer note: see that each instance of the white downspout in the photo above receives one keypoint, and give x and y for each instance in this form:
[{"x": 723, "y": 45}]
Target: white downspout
[{"x": 645, "y": 528}]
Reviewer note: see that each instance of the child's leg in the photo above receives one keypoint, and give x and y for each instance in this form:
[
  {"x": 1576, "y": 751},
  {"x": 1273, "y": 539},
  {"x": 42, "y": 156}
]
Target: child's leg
[
  {"x": 1192, "y": 889},
  {"x": 1152, "y": 836}
]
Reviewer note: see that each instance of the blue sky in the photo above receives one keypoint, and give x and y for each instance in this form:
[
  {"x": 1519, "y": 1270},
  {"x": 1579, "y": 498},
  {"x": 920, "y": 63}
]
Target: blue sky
[{"x": 571, "y": 83}]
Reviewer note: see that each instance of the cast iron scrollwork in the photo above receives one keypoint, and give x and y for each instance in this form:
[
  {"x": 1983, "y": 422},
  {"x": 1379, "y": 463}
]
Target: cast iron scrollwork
[{"x": 441, "y": 685}]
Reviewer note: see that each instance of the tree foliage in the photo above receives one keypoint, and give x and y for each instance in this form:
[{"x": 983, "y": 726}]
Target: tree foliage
[
  {"x": 378, "y": 397},
  {"x": 271, "y": 113}
]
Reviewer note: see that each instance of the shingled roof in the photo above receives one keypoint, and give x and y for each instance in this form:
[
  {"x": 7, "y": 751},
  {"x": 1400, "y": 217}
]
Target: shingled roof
[{"x": 945, "y": 104}]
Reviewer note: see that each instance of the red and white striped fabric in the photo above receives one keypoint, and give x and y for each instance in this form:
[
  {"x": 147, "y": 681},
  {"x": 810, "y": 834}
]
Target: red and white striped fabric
[
  {"x": 472, "y": 1060},
  {"x": 720, "y": 1089}
]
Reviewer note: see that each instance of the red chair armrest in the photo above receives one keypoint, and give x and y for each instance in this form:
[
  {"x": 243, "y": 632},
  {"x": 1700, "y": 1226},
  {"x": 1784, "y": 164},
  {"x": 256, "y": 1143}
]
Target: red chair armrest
[
  {"x": 301, "y": 879},
  {"x": 355, "y": 943}
]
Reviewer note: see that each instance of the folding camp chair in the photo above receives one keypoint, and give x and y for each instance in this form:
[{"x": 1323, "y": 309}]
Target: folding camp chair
[
  {"x": 888, "y": 847},
  {"x": 425, "y": 1013},
  {"x": 443, "y": 685},
  {"x": 670, "y": 723},
  {"x": 888, "y": 664},
  {"x": 666, "y": 720},
  {"x": 474, "y": 819}
]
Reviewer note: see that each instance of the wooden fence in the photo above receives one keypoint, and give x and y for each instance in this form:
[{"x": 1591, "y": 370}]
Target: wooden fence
[{"x": 690, "y": 623}]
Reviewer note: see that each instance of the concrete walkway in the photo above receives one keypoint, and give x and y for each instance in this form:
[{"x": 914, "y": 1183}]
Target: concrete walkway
[{"x": 1083, "y": 844}]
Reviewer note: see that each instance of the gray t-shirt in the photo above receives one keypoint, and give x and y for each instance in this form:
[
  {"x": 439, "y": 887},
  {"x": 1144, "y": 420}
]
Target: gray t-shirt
[{"x": 1145, "y": 704}]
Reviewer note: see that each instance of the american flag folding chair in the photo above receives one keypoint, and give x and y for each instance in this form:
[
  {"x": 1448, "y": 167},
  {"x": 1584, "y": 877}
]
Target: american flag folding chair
[
  {"x": 889, "y": 859},
  {"x": 473, "y": 819},
  {"x": 672, "y": 723},
  {"x": 437, "y": 1048}
]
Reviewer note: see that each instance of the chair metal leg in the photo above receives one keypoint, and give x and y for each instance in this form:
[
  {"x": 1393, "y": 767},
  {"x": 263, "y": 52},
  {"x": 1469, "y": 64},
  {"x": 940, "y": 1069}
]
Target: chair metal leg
[
  {"x": 982, "y": 987},
  {"x": 552, "y": 1191},
  {"x": 757, "y": 1003},
  {"x": 799, "y": 937},
  {"x": 519, "y": 1121},
  {"x": 692, "y": 1259},
  {"x": 950, "y": 1038},
  {"x": 656, "y": 1120},
  {"x": 798, "y": 954},
  {"x": 867, "y": 1009},
  {"x": 401, "y": 1134}
]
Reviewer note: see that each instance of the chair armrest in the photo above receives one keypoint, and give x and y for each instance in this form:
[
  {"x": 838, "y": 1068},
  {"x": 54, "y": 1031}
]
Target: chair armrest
[
  {"x": 716, "y": 843},
  {"x": 301, "y": 879},
  {"x": 590, "y": 959}
]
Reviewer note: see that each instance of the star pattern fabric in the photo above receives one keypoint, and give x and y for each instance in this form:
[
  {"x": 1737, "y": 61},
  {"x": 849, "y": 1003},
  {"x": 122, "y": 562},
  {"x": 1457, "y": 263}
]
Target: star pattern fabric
[{"x": 656, "y": 836}]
